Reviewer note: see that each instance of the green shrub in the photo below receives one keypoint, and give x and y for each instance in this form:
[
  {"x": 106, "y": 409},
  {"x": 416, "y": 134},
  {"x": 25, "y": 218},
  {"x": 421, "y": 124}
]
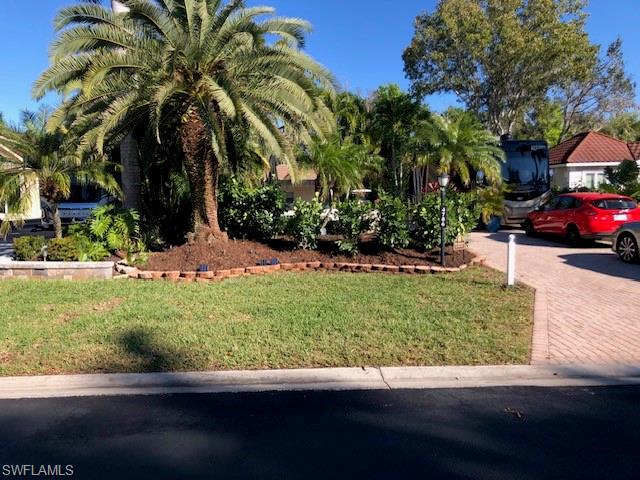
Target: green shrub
[
  {"x": 462, "y": 217},
  {"x": 63, "y": 250},
  {"x": 109, "y": 229},
  {"x": 28, "y": 248},
  {"x": 354, "y": 219},
  {"x": 304, "y": 223},
  {"x": 393, "y": 231},
  {"x": 254, "y": 213}
]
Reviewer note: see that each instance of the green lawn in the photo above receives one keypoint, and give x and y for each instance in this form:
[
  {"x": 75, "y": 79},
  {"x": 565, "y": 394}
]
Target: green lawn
[{"x": 279, "y": 321}]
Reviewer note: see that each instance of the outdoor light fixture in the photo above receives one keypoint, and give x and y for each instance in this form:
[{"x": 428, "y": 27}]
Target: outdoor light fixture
[{"x": 443, "y": 181}]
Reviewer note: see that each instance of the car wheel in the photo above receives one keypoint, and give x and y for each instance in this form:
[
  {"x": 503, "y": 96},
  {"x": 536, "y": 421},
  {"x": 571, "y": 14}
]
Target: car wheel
[
  {"x": 529, "y": 229},
  {"x": 573, "y": 235},
  {"x": 627, "y": 248}
]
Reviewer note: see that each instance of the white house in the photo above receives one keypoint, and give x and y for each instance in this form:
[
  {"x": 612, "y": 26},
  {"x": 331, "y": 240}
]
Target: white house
[{"x": 579, "y": 162}]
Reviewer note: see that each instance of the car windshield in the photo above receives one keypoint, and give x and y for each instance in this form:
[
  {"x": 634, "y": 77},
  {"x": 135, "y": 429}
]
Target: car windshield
[{"x": 615, "y": 204}]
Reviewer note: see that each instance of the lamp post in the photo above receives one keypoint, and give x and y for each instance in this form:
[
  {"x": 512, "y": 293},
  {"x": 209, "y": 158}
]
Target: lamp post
[{"x": 443, "y": 181}]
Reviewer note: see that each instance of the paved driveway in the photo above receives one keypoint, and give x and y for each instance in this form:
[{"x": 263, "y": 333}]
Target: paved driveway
[{"x": 588, "y": 307}]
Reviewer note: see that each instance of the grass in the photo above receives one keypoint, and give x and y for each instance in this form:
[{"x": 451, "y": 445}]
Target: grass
[{"x": 279, "y": 321}]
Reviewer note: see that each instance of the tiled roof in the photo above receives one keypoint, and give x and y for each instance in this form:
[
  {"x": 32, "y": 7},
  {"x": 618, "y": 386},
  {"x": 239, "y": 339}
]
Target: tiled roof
[
  {"x": 282, "y": 173},
  {"x": 590, "y": 147},
  {"x": 635, "y": 149}
]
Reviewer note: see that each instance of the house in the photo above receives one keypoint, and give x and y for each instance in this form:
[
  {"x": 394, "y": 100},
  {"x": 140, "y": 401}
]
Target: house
[
  {"x": 579, "y": 162},
  {"x": 31, "y": 183},
  {"x": 304, "y": 187}
]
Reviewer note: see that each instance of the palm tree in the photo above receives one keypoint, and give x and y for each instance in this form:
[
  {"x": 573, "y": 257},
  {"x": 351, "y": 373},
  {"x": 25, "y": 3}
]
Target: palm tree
[
  {"x": 211, "y": 64},
  {"x": 457, "y": 144},
  {"x": 129, "y": 159},
  {"x": 51, "y": 161},
  {"x": 341, "y": 167}
]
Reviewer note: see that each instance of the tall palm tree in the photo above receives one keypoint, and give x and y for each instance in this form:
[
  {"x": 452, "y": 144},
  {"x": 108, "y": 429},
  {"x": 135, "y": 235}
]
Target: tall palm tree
[
  {"x": 48, "y": 159},
  {"x": 129, "y": 157},
  {"x": 457, "y": 144},
  {"x": 210, "y": 63}
]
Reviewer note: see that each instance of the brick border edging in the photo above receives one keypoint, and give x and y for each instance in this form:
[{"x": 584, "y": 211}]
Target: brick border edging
[
  {"x": 540, "y": 334},
  {"x": 219, "y": 275}
]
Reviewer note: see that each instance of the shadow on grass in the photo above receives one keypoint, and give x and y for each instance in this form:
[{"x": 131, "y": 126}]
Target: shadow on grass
[{"x": 140, "y": 351}]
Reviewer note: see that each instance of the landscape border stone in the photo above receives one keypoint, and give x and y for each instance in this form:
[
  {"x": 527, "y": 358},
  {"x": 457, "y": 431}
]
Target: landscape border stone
[{"x": 218, "y": 275}]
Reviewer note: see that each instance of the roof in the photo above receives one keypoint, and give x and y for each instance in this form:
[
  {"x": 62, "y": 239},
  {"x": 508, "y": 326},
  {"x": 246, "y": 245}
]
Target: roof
[
  {"x": 7, "y": 152},
  {"x": 635, "y": 149},
  {"x": 282, "y": 173},
  {"x": 594, "y": 147}
]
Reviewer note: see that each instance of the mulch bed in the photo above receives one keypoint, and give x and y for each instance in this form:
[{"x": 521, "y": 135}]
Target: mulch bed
[{"x": 245, "y": 253}]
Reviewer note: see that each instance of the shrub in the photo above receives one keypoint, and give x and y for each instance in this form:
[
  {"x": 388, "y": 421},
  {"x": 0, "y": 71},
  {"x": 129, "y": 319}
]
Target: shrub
[
  {"x": 353, "y": 219},
  {"x": 304, "y": 223},
  {"x": 462, "y": 217},
  {"x": 63, "y": 250},
  {"x": 253, "y": 213},
  {"x": 393, "y": 231},
  {"x": 112, "y": 230},
  {"x": 28, "y": 248}
]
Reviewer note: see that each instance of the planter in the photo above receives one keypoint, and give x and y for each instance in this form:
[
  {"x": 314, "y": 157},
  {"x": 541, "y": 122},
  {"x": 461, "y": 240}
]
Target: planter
[
  {"x": 494, "y": 223},
  {"x": 57, "y": 270}
]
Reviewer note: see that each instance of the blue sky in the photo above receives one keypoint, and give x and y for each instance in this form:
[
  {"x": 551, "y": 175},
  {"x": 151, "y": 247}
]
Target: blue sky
[{"x": 361, "y": 41}]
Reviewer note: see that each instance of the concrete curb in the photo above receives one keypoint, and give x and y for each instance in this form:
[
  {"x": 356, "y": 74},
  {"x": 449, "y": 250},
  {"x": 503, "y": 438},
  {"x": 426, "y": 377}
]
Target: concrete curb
[{"x": 371, "y": 378}]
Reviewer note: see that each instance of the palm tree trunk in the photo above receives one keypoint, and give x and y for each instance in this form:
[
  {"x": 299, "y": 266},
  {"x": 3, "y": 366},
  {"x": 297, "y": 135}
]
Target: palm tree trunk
[
  {"x": 130, "y": 172},
  {"x": 203, "y": 169},
  {"x": 57, "y": 221}
]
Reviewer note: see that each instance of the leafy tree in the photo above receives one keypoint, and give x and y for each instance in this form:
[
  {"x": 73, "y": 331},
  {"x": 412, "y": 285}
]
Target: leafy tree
[
  {"x": 393, "y": 116},
  {"x": 501, "y": 57},
  {"x": 544, "y": 122},
  {"x": 458, "y": 144},
  {"x": 49, "y": 160},
  {"x": 592, "y": 96},
  {"x": 624, "y": 126},
  {"x": 625, "y": 178},
  {"x": 216, "y": 66}
]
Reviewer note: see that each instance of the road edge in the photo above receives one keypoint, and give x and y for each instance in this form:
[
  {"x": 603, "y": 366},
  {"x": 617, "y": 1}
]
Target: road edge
[{"x": 322, "y": 379}]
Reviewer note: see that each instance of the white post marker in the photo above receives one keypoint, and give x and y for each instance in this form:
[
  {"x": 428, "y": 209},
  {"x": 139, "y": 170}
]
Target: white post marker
[{"x": 511, "y": 261}]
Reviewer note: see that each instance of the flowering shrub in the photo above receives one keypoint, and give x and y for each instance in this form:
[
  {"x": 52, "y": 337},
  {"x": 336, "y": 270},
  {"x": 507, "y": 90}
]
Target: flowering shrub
[
  {"x": 353, "y": 219},
  {"x": 253, "y": 213},
  {"x": 303, "y": 223}
]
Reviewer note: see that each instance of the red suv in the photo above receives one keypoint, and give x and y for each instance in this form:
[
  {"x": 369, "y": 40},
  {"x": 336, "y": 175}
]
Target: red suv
[{"x": 578, "y": 216}]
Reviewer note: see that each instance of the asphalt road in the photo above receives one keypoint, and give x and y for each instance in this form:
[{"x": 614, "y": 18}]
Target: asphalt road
[{"x": 497, "y": 433}]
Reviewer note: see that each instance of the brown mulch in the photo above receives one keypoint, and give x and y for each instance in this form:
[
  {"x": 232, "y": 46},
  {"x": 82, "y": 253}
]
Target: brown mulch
[{"x": 245, "y": 253}]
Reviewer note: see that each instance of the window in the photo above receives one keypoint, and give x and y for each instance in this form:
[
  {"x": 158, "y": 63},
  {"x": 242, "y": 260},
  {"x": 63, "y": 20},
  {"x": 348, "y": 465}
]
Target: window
[
  {"x": 599, "y": 179},
  {"x": 615, "y": 204},
  {"x": 552, "y": 204},
  {"x": 589, "y": 180},
  {"x": 567, "y": 203}
]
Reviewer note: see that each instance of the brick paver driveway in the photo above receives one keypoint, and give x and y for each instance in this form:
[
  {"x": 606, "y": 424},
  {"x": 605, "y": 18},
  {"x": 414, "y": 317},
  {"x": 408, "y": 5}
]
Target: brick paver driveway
[{"x": 588, "y": 306}]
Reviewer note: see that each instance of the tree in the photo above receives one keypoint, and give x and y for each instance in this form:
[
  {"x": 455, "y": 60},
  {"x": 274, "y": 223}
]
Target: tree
[
  {"x": 624, "y": 126},
  {"x": 393, "y": 116},
  {"x": 459, "y": 145},
  {"x": 215, "y": 66},
  {"x": 341, "y": 166},
  {"x": 603, "y": 90},
  {"x": 625, "y": 178},
  {"x": 129, "y": 155},
  {"x": 501, "y": 57},
  {"x": 47, "y": 159}
]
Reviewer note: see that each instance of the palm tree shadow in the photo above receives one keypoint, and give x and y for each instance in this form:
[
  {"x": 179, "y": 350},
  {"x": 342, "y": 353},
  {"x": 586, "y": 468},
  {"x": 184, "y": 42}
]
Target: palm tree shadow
[{"x": 139, "y": 350}]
